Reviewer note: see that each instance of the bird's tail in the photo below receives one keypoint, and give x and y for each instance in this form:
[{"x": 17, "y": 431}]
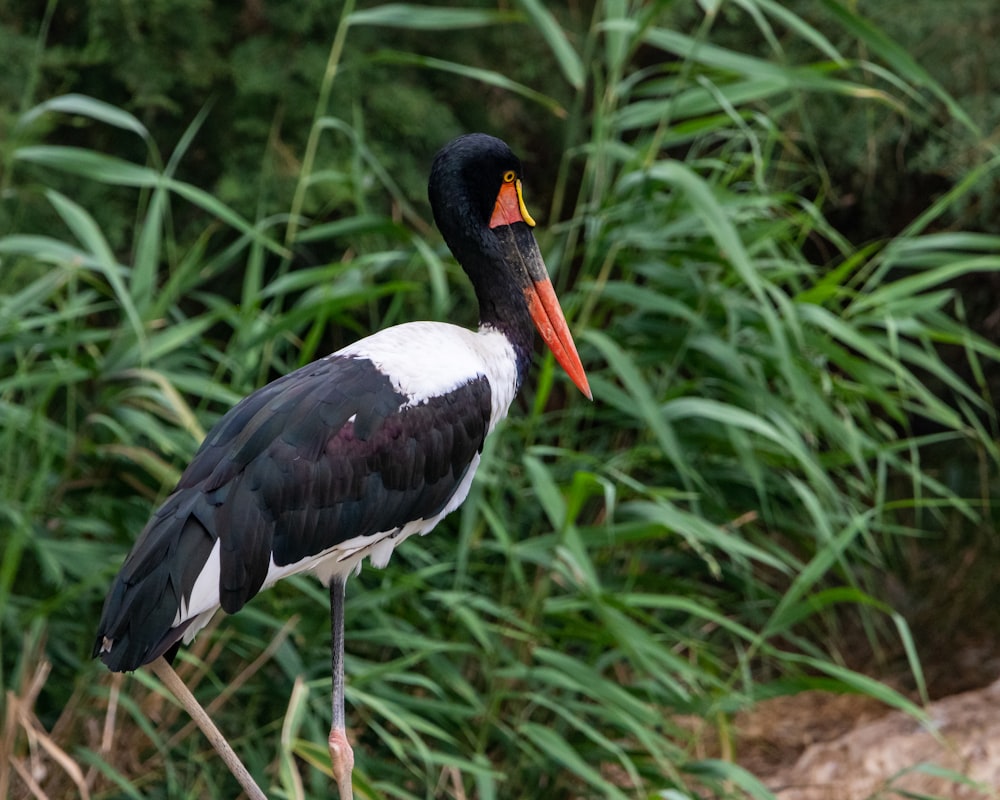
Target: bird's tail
[{"x": 139, "y": 621}]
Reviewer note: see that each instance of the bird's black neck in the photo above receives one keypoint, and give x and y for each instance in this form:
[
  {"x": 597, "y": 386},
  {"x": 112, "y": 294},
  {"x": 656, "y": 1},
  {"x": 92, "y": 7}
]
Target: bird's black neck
[{"x": 501, "y": 305}]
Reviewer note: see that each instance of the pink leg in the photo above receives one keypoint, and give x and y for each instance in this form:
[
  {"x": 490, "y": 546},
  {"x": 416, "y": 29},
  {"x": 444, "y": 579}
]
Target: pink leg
[{"x": 342, "y": 757}]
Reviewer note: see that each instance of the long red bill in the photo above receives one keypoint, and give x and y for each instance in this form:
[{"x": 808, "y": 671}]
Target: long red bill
[
  {"x": 508, "y": 211},
  {"x": 548, "y": 318}
]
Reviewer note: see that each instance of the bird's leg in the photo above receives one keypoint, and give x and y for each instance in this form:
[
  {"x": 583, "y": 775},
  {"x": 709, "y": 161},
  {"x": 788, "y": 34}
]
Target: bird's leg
[
  {"x": 173, "y": 682},
  {"x": 341, "y": 753}
]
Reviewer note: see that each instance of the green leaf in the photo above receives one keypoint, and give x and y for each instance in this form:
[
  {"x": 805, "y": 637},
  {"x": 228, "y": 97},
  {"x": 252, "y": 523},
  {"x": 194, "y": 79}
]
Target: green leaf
[
  {"x": 431, "y": 18},
  {"x": 89, "y": 164},
  {"x": 902, "y": 62},
  {"x": 485, "y": 76},
  {"x": 558, "y": 750},
  {"x": 85, "y": 106},
  {"x": 89, "y": 235},
  {"x": 557, "y": 41}
]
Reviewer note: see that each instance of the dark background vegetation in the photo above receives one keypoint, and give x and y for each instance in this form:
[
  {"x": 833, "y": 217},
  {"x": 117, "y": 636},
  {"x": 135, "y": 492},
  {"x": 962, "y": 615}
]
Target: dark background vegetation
[{"x": 774, "y": 226}]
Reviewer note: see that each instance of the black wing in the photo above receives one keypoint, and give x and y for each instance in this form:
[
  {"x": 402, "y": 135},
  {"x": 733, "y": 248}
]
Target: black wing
[{"x": 327, "y": 453}]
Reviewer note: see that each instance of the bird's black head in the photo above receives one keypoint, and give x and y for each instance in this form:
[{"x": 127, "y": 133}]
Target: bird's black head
[{"x": 465, "y": 182}]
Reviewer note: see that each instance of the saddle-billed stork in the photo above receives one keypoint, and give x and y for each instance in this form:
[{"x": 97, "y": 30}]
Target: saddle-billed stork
[{"x": 351, "y": 454}]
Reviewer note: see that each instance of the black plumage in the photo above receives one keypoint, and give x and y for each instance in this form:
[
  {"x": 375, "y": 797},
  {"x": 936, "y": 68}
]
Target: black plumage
[{"x": 324, "y": 454}]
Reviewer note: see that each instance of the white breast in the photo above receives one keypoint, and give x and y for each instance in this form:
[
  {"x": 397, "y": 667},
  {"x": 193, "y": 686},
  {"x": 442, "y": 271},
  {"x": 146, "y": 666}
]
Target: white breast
[{"x": 427, "y": 359}]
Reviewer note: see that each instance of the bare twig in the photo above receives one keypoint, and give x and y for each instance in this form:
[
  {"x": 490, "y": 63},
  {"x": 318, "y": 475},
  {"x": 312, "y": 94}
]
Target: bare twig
[
  {"x": 244, "y": 676},
  {"x": 20, "y": 713},
  {"x": 172, "y": 681},
  {"x": 110, "y": 723}
]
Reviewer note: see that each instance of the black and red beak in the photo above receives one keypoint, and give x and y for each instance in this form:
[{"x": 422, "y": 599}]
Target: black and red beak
[{"x": 538, "y": 292}]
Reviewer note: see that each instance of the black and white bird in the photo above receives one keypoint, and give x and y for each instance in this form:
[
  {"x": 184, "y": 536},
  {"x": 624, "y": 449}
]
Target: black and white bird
[{"x": 352, "y": 454}]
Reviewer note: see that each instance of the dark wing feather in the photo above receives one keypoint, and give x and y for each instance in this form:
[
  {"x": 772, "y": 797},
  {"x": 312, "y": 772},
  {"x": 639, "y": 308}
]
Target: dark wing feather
[
  {"x": 139, "y": 610},
  {"x": 316, "y": 458}
]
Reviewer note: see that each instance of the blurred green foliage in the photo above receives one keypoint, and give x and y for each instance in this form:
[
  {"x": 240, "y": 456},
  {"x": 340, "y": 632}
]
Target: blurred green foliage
[
  {"x": 256, "y": 67},
  {"x": 195, "y": 198}
]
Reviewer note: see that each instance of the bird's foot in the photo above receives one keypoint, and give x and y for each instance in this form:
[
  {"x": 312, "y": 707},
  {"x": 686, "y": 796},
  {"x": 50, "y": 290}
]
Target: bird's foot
[{"x": 342, "y": 758}]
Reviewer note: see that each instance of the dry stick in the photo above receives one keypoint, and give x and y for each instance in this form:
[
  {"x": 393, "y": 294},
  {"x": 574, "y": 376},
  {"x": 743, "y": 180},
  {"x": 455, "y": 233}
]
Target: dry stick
[
  {"x": 236, "y": 683},
  {"x": 172, "y": 681},
  {"x": 7, "y": 742},
  {"x": 39, "y": 739},
  {"x": 108, "y": 729},
  {"x": 26, "y": 776}
]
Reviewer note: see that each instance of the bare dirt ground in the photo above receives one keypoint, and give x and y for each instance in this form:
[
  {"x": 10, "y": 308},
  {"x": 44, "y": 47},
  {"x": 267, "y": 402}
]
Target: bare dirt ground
[
  {"x": 823, "y": 746},
  {"x": 850, "y": 748}
]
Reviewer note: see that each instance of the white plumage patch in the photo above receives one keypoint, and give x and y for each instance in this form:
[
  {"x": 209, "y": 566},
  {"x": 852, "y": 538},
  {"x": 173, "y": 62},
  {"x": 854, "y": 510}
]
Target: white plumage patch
[{"x": 425, "y": 360}]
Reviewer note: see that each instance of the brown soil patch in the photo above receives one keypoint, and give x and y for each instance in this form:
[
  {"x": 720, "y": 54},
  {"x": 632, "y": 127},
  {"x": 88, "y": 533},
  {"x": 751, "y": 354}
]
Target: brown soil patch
[{"x": 849, "y": 749}]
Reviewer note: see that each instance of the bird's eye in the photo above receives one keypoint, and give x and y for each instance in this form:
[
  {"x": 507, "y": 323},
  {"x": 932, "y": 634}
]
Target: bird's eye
[{"x": 509, "y": 176}]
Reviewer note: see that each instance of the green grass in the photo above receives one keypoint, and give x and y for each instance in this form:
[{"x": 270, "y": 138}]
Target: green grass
[{"x": 687, "y": 545}]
